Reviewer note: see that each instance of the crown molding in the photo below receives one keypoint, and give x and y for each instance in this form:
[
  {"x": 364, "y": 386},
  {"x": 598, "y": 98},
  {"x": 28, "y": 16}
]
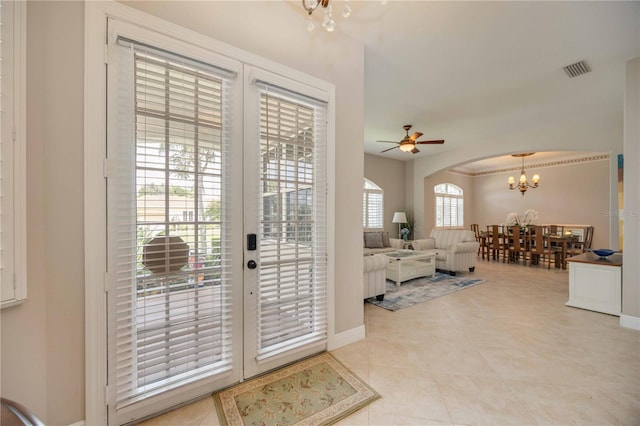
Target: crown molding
[{"x": 546, "y": 164}]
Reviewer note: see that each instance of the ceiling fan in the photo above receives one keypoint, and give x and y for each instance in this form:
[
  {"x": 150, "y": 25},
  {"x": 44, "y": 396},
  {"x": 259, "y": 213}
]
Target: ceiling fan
[{"x": 408, "y": 144}]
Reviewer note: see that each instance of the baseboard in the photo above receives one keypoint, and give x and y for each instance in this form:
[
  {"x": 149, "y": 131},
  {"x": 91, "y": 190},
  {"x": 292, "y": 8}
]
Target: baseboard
[
  {"x": 346, "y": 337},
  {"x": 628, "y": 321},
  {"x": 80, "y": 423}
]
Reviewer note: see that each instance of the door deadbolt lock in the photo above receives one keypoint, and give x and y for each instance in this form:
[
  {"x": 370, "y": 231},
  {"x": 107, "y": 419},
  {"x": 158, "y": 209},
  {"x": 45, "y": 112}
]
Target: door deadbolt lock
[{"x": 252, "y": 264}]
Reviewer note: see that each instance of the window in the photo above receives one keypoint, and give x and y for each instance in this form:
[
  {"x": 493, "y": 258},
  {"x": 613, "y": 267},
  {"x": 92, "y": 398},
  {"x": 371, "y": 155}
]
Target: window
[
  {"x": 12, "y": 154},
  {"x": 372, "y": 204},
  {"x": 449, "y": 203}
]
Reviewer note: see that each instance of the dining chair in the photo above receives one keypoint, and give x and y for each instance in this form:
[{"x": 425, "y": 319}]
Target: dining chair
[
  {"x": 495, "y": 242},
  {"x": 579, "y": 247},
  {"x": 476, "y": 230},
  {"x": 517, "y": 246},
  {"x": 540, "y": 248},
  {"x": 554, "y": 229}
]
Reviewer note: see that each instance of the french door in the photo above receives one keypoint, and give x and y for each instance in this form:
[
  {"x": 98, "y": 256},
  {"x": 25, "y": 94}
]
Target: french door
[
  {"x": 285, "y": 172},
  {"x": 216, "y": 221}
]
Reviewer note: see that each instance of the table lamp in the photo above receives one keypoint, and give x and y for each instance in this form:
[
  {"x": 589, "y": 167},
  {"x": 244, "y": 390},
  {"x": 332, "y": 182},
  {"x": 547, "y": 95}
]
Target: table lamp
[{"x": 399, "y": 217}]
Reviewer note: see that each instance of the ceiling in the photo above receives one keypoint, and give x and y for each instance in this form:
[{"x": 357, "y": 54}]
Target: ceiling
[
  {"x": 468, "y": 71},
  {"x": 536, "y": 160}
]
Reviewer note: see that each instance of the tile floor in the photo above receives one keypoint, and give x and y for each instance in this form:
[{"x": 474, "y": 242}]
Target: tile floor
[{"x": 506, "y": 352}]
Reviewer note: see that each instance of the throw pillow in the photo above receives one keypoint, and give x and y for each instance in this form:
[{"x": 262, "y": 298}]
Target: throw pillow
[
  {"x": 373, "y": 240},
  {"x": 385, "y": 239}
]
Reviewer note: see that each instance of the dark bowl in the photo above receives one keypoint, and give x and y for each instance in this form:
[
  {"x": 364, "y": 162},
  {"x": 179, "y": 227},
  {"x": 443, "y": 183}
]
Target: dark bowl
[{"x": 603, "y": 252}]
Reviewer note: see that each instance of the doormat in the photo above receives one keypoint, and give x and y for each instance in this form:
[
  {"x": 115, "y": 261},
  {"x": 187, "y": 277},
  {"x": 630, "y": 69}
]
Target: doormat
[
  {"x": 315, "y": 391},
  {"x": 420, "y": 290}
]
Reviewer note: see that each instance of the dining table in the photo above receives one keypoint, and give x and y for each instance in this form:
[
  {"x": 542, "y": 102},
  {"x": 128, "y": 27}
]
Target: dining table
[{"x": 563, "y": 241}]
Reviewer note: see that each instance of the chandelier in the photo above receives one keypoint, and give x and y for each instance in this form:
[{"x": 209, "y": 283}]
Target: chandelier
[
  {"x": 327, "y": 22},
  {"x": 523, "y": 183}
]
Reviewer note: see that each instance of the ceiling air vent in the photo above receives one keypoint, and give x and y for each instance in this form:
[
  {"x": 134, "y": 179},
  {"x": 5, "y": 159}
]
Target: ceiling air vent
[{"x": 576, "y": 69}]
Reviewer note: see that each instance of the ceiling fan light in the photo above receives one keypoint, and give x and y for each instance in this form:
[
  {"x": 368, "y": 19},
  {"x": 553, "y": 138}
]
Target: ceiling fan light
[{"x": 407, "y": 147}]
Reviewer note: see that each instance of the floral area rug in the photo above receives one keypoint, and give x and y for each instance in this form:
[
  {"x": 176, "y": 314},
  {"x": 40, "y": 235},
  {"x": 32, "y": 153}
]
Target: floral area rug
[
  {"x": 420, "y": 290},
  {"x": 315, "y": 391}
]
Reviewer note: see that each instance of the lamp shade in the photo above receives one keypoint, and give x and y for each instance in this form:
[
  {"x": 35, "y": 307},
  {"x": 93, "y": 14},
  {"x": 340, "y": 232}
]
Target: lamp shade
[{"x": 399, "y": 217}]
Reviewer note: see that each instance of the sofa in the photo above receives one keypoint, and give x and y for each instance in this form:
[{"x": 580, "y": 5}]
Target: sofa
[
  {"x": 456, "y": 249},
  {"x": 376, "y": 242},
  {"x": 375, "y": 276}
]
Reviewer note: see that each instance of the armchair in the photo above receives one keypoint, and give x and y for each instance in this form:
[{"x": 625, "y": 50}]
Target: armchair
[
  {"x": 456, "y": 249},
  {"x": 375, "y": 278}
]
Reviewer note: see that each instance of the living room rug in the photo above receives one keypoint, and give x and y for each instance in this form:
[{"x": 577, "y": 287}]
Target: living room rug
[
  {"x": 315, "y": 391},
  {"x": 420, "y": 290}
]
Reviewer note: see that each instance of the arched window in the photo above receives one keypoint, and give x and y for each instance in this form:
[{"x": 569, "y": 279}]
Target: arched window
[
  {"x": 449, "y": 202},
  {"x": 372, "y": 205}
]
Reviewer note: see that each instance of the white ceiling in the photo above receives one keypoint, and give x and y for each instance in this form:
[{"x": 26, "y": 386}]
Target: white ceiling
[{"x": 469, "y": 71}]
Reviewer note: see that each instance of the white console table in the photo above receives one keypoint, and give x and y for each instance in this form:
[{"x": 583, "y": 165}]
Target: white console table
[{"x": 596, "y": 283}]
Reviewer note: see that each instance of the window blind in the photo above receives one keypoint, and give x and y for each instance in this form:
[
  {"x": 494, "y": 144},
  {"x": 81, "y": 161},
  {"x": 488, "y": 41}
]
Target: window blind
[
  {"x": 6, "y": 281},
  {"x": 292, "y": 285},
  {"x": 13, "y": 286},
  {"x": 169, "y": 301}
]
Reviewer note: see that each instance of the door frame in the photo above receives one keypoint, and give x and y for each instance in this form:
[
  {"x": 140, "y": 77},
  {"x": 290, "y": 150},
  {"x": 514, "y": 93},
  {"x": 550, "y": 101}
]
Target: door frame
[{"x": 96, "y": 14}]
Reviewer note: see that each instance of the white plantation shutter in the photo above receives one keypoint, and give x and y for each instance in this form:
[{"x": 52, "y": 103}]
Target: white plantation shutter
[
  {"x": 291, "y": 309},
  {"x": 13, "y": 285},
  {"x": 449, "y": 204},
  {"x": 169, "y": 245},
  {"x": 372, "y": 205}
]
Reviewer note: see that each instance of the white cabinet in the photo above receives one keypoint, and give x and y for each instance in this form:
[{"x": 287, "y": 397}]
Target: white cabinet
[{"x": 596, "y": 283}]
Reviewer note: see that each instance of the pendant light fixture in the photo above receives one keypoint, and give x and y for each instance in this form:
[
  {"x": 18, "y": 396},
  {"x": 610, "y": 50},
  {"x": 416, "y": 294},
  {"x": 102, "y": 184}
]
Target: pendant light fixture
[
  {"x": 327, "y": 22},
  {"x": 523, "y": 184}
]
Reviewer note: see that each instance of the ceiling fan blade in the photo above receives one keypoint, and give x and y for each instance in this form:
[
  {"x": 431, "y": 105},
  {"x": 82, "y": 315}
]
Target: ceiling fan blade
[
  {"x": 415, "y": 150},
  {"x": 388, "y": 141},
  {"x": 415, "y": 136},
  {"x": 388, "y": 149},
  {"x": 430, "y": 142}
]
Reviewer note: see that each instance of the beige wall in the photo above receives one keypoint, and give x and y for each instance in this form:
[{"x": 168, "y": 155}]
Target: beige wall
[
  {"x": 591, "y": 134},
  {"x": 42, "y": 342},
  {"x": 43, "y": 339},
  {"x": 464, "y": 182},
  {"x": 631, "y": 268},
  {"x": 570, "y": 194},
  {"x": 389, "y": 175},
  {"x": 331, "y": 57}
]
